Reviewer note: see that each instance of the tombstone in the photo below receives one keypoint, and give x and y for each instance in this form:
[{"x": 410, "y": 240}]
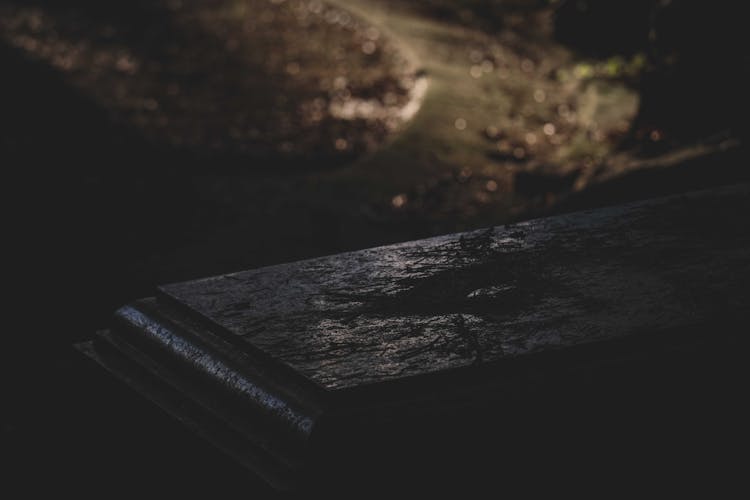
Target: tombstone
[{"x": 418, "y": 360}]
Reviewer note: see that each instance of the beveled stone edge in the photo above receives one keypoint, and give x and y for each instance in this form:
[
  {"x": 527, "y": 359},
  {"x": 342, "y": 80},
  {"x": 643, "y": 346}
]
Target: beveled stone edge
[{"x": 188, "y": 413}]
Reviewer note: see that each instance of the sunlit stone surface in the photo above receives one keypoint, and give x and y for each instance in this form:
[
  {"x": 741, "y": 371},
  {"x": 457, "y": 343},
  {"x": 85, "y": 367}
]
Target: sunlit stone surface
[
  {"x": 488, "y": 296},
  {"x": 430, "y": 348}
]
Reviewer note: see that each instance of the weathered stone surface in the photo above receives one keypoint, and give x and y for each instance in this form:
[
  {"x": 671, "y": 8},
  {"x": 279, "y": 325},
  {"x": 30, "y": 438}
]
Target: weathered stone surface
[
  {"x": 480, "y": 298},
  {"x": 414, "y": 362}
]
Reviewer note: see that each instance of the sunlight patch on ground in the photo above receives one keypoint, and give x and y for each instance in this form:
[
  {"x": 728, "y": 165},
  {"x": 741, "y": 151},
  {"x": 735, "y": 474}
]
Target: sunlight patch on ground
[
  {"x": 372, "y": 109},
  {"x": 499, "y": 104}
]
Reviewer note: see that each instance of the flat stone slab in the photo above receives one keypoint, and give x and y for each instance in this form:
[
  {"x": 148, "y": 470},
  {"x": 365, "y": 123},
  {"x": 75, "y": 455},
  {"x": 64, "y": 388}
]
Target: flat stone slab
[
  {"x": 294, "y": 369},
  {"x": 482, "y": 297}
]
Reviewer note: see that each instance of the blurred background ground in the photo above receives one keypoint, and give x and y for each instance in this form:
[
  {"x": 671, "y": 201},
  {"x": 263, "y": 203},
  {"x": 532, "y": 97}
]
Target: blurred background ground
[{"x": 146, "y": 142}]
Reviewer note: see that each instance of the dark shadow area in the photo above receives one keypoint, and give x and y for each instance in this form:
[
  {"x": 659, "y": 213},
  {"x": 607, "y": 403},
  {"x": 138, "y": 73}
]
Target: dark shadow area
[
  {"x": 726, "y": 167},
  {"x": 697, "y": 76}
]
